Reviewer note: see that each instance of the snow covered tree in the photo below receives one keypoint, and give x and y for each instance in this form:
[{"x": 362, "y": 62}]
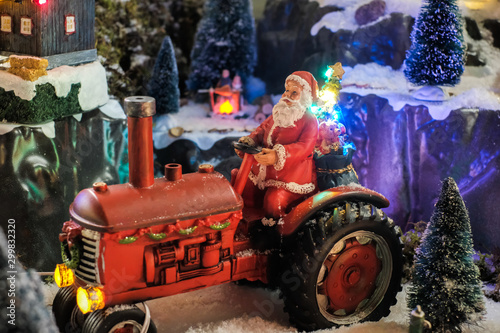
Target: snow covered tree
[
  {"x": 225, "y": 39},
  {"x": 436, "y": 56},
  {"x": 446, "y": 281},
  {"x": 164, "y": 84}
]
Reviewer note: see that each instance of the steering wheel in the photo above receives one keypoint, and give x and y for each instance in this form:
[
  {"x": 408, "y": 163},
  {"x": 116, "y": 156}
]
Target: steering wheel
[{"x": 247, "y": 149}]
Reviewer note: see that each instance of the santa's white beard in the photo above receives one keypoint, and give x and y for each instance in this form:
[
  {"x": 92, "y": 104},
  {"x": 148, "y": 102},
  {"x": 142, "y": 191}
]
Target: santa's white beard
[{"x": 286, "y": 116}]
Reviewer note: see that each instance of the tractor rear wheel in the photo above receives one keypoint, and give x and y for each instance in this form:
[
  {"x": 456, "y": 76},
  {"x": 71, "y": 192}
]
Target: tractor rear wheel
[
  {"x": 117, "y": 319},
  {"x": 345, "y": 267}
]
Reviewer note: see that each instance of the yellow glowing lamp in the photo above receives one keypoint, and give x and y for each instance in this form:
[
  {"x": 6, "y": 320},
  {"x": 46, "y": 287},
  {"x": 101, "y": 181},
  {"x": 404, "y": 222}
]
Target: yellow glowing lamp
[
  {"x": 226, "y": 108},
  {"x": 64, "y": 276},
  {"x": 89, "y": 299}
]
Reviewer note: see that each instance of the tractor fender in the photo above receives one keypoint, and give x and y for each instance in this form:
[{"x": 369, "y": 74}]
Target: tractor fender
[{"x": 306, "y": 209}]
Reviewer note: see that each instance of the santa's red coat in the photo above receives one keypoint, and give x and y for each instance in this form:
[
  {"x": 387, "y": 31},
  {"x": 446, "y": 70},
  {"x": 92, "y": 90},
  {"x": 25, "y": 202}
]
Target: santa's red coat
[{"x": 294, "y": 170}]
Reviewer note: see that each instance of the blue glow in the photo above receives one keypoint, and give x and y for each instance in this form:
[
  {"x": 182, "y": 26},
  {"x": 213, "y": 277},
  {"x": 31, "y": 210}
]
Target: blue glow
[{"x": 346, "y": 146}]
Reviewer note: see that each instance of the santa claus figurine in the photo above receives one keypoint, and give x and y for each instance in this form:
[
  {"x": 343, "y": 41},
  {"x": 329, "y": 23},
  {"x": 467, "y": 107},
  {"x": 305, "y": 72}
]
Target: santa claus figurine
[{"x": 283, "y": 173}]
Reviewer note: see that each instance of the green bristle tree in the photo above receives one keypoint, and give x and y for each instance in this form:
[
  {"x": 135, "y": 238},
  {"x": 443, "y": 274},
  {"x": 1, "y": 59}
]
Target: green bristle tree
[{"x": 446, "y": 281}]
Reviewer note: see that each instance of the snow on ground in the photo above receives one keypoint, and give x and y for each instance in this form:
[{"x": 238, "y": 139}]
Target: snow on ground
[
  {"x": 374, "y": 77},
  {"x": 475, "y": 91},
  {"x": 202, "y": 126},
  {"x": 232, "y": 308}
]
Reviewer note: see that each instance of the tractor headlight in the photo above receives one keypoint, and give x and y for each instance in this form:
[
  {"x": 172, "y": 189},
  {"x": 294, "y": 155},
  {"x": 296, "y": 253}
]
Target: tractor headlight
[
  {"x": 63, "y": 276},
  {"x": 89, "y": 299}
]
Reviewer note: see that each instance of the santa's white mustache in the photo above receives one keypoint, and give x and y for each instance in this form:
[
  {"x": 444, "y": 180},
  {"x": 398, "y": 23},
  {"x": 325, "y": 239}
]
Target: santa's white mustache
[{"x": 284, "y": 99}]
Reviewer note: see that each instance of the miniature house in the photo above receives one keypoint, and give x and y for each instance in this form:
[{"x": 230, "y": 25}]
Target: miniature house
[{"x": 60, "y": 30}]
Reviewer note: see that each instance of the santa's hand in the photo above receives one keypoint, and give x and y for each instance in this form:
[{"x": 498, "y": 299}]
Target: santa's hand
[
  {"x": 246, "y": 140},
  {"x": 267, "y": 157}
]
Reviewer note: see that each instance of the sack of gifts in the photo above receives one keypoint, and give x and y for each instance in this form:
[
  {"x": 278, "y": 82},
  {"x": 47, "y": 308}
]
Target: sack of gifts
[{"x": 333, "y": 157}]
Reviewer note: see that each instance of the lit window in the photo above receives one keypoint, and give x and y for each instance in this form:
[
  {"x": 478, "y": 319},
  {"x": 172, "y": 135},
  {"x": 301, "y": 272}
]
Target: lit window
[
  {"x": 69, "y": 24},
  {"x": 26, "y": 26},
  {"x": 6, "y": 23}
]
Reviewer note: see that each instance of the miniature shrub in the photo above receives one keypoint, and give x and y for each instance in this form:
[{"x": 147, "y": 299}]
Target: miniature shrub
[
  {"x": 43, "y": 107},
  {"x": 411, "y": 240},
  {"x": 487, "y": 269}
]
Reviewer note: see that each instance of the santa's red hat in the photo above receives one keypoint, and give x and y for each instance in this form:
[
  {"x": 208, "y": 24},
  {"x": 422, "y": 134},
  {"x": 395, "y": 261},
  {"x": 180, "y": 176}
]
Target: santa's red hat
[{"x": 308, "y": 83}]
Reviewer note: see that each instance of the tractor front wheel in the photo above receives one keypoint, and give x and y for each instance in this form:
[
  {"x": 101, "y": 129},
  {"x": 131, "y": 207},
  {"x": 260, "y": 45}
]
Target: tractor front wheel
[
  {"x": 62, "y": 307},
  {"x": 345, "y": 267},
  {"x": 117, "y": 319}
]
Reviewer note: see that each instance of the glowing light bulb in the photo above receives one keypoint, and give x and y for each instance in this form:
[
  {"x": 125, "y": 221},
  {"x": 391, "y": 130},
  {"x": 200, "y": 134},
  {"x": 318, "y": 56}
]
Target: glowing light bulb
[
  {"x": 329, "y": 72},
  {"x": 89, "y": 299}
]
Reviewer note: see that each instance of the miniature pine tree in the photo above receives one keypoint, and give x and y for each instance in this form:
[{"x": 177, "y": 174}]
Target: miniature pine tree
[
  {"x": 164, "y": 84},
  {"x": 436, "y": 56},
  {"x": 225, "y": 39},
  {"x": 446, "y": 281}
]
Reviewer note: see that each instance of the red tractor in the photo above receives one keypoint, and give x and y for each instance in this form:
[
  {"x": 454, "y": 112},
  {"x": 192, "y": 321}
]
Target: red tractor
[{"x": 337, "y": 260}]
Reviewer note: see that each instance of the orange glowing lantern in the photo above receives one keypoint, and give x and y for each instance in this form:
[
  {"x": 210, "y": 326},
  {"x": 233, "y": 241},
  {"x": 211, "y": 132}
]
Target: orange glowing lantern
[{"x": 226, "y": 108}]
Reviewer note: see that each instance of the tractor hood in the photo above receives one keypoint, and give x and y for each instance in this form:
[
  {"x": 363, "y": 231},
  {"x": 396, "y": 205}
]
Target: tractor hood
[{"x": 124, "y": 207}]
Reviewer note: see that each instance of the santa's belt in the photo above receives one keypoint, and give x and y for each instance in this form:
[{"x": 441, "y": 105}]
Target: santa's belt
[{"x": 346, "y": 169}]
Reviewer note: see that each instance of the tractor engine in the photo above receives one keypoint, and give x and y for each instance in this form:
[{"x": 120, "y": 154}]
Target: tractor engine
[{"x": 168, "y": 262}]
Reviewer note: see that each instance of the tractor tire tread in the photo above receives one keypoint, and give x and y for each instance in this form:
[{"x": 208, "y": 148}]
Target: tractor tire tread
[
  {"x": 306, "y": 244},
  {"x": 62, "y": 306}
]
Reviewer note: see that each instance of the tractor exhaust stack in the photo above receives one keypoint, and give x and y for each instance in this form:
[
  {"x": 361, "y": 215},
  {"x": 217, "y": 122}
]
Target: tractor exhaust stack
[{"x": 140, "y": 111}]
